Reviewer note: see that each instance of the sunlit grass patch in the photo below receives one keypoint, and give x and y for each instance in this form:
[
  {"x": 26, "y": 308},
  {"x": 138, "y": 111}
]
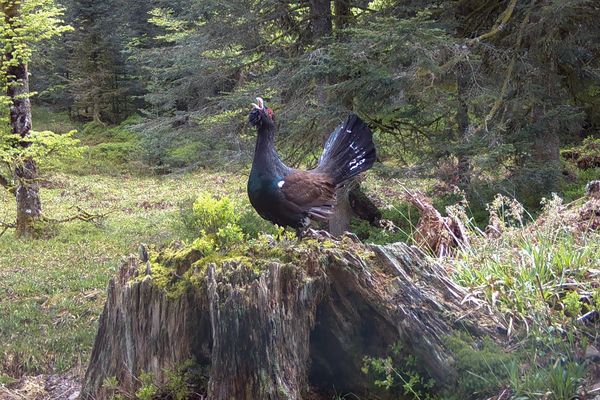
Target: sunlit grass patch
[{"x": 52, "y": 290}]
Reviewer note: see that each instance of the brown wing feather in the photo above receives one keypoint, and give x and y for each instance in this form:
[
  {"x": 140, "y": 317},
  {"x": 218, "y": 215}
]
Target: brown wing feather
[{"x": 309, "y": 189}]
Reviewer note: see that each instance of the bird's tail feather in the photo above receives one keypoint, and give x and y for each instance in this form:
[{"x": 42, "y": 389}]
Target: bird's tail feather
[{"x": 348, "y": 152}]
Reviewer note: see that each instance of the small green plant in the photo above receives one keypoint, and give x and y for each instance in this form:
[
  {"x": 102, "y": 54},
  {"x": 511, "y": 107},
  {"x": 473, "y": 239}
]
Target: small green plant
[
  {"x": 111, "y": 385},
  {"x": 223, "y": 222},
  {"x": 572, "y": 304},
  {"x": 212, "y": 213},
  {"x": 183, "y": 381},
  {"x": 399, "y": 371},
  {"x": 148, "y": 389}
]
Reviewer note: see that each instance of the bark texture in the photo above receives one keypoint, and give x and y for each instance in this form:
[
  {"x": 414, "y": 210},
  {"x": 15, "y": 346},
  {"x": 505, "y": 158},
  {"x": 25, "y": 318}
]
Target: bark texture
[
  {"x": 141, "y": 330},
  {"x": 339, "y": 221},
  {"x": 320, "y": 19},
  {"x": 463, "y": 123},
  {"x": 343, "y": 13},
  {"x": 297, "y": 326}
]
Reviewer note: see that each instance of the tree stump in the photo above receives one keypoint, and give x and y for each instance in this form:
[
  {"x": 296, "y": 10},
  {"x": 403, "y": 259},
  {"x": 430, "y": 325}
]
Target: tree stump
[{"x": 285, "y": 321}]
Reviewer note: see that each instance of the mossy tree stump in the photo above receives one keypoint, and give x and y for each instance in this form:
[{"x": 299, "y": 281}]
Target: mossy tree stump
[{"x": 282, "y": 320}]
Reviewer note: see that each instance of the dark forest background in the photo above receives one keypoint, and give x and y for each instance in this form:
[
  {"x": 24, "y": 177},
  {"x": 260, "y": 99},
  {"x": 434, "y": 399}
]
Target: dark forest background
[{"x": 482, "y": 95}]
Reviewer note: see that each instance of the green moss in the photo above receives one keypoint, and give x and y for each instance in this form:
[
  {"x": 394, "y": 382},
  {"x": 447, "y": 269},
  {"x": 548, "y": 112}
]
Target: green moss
[
  {"x": 166, "y": 279},
  {"x": 179, "y": 257},
  {"x": 180, "y": 266}
]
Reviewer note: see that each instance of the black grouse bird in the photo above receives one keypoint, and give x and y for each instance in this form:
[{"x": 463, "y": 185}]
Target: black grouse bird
[{"x": 290, "y": 197}]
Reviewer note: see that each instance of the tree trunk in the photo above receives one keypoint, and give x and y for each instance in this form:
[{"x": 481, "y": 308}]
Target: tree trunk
[
  {"x": 27, "y": 192},
  {"x": 294, "y": 327},
  {"x": 363, "y": 207},
  {"x": 540, "y": 173},
  {"x": 29, "y": 208},
  {"x": 351, "y": 201},
  {"x": 462, "y": 122},
  {"x": 339, "y": 222},
  {"x": 343, "y": 13},
  {"x": 320, "y": 18}
]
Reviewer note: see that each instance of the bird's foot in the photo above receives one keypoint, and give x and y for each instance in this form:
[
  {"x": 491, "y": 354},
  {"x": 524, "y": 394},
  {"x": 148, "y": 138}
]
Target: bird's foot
[{"x": 316, "y": 234}]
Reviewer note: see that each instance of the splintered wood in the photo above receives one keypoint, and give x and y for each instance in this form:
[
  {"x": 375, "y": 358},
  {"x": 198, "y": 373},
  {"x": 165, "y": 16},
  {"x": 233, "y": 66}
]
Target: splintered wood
[
  {"x": 289, "y": 330},
  {"x": 436, "y": 233}
]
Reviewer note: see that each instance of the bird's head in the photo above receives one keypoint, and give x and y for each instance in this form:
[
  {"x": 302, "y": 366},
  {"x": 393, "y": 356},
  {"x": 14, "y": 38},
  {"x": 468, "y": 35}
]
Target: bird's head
[{"x": 260, "y": 113}]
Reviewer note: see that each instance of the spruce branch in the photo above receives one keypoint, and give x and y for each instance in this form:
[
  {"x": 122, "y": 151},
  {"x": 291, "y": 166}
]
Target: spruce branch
[{"x": 499, "y": 25}]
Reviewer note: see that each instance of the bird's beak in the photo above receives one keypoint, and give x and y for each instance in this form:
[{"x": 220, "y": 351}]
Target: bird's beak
[{"x": 260, "y": 105}]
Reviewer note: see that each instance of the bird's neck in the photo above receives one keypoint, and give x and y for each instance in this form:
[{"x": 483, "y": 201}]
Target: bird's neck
[{"x": 265, "y": 155}]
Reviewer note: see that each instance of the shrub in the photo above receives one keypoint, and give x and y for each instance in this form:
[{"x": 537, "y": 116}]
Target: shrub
[
  {"x": 253, "y": 225},
  {"x": 214, "y": 215},
  {"x": 216, "y": 222},
  {"x": 210, "y": 213}
]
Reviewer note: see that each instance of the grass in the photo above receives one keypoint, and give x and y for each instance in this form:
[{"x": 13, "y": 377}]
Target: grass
[
  {"x": 543, "y": 279},
  {"x": 52, "y": 289},
  {"x": 536, "y": 275}
]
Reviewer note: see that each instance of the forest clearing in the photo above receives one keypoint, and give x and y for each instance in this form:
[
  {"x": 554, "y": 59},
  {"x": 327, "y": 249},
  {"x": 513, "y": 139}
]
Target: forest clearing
[{"x": 333, "y": 199}]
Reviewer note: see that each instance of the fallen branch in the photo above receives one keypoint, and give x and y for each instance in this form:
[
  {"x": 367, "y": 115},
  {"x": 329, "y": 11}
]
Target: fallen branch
[
  {"x": 5, "y": 226},
  {"x": 82, "y": 215}
]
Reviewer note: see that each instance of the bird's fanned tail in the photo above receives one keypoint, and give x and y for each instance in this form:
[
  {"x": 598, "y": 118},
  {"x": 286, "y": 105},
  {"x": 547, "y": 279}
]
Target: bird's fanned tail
[{"x": 348, "y": 151}]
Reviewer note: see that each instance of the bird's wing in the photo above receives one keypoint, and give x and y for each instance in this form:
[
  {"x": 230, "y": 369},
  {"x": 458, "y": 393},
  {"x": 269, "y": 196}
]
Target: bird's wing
[{"x": 310, "y": 191}]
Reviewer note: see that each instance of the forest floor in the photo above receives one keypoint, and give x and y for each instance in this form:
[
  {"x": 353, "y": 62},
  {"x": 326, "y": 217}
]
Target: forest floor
[{"x": 52, "y": 289}]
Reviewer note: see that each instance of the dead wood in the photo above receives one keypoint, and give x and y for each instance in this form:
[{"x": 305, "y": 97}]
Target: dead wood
[
  {"x": 282, "y": 328},
  {"x": 433, "y": 232}
]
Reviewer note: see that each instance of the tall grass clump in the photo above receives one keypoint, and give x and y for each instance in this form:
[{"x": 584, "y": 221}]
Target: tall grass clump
[
  {"x": 542, "y": 277},
  {"x": 538, "y": 275}
]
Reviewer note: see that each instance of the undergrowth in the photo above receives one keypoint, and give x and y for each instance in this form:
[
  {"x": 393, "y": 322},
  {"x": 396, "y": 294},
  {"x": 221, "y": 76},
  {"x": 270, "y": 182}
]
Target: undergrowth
[{"x": 543, "y": 277}]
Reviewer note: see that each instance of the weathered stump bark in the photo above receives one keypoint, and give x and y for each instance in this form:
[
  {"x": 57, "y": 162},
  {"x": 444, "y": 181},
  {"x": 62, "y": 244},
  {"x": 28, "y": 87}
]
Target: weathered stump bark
[{"x": 299, "y": 324}]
